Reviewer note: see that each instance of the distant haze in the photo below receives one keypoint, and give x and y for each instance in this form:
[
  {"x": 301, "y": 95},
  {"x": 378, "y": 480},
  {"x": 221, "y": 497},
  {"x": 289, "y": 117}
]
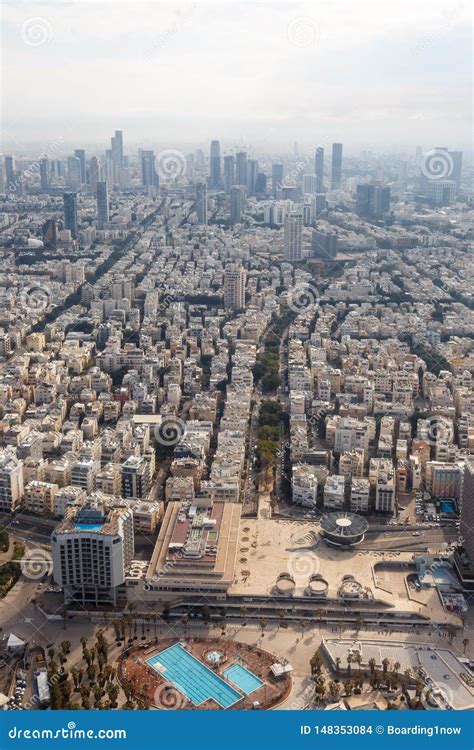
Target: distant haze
[{"x": 370, "y": 74}]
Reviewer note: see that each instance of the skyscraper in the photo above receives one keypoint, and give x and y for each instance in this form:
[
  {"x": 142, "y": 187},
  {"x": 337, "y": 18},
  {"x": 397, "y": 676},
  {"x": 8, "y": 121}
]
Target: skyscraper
[
  {"x": 116, "y": 144},
  {"x": 94, "y": 173},
  {"x": 80, "y": 154},
  {"x": 201, "y": 202},
  {"x": 372, "y": 201},
  {"x": 336, "y": 166},
  {"x": 234, "y": 287},
  {"x": 74, "y": 173},
  {"x": 236, "y": 201},
  {"x": 323, "y": 244},
  {"x": 309, "y": 184},
  {"x": 10, "y": 174},
  {"x": 319, "y": 169},
  {"x": 50, "y": 234},
  {"x": 70, "y": 213},
  {"x": 252, "y": 172},
  {"x": 241, "y": 168},
  {"x": 277, "y": 178},
  {"x": 215, "y": 166},
  {"x": 149, "y": 175},
  {"x": 293, "y": 236},
  {"x": 229, "y": 172},
  {"x": 44, "y": 173},
  {"x": 102, "y": 202}
]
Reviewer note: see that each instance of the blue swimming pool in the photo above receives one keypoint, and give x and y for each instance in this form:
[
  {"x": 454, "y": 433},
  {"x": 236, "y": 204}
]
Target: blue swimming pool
[
  {"x": 89, "y": 526},
  {"x": 243, "y": 678},
  {"x": 192, "y": 678}
]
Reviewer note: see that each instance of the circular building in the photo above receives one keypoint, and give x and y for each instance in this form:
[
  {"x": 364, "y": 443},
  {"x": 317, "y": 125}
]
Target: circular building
[{"x": 343, "y": 529}]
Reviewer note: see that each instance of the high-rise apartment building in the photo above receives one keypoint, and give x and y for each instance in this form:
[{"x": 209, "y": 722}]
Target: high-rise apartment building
[
  {"x": 201, "y": 202},
  {"x": 252, "y": 172},
  {"x": 215, "y": 166},
  {"x": 236, "y": 203},
  {"x": 241, "y": 168},
  {"x": 50, "y": 234},
  {"x": 92, "y": 549},
  {"x": 372, "y": 201},
  {"x": 319, "y": 169},
  {"x": 234, "y": 287},
  {"x": 336, "y": 166},
  {"x": 70, "y": 213},
  {"x": 293, "y": 236},
  {"x": 149, "y": 175},
  {"x": 80, "y": 154},
  {"x": 11, "y": 481},
  {"x": 94, "y": 173},
  {"x": 102, "y": 202},
  {"x": 229, "y": 172},
  {"x": 44, "y": 173},
  {"x": 277, "y": 178},
  {"x": 74, "y": 173}
]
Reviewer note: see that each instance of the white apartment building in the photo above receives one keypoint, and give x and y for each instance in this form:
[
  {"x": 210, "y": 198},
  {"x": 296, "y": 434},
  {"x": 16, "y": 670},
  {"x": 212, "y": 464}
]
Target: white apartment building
[
  {"x": 334, "y": 489},
  {"x": 360, "y": 494},
  {"x": 304, "y": 485}
]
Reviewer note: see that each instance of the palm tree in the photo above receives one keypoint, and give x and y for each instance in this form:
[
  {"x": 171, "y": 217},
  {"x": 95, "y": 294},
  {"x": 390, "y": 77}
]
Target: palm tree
[
  {"x": 465, "y": 644},
  {"x": 302, "y": 626},
  {"x": 337, "y": 662},
  {"x": 451, "y": 630},
  {"x": 372, "y": 665},
  {"x": 334, "y": 690},
  {"x": 385, "y": 663},
  {"x": 184, "y": 621},
  {"x": 349, "y": 662},
  {"x": 263, "y": 624},
  {"x": 112, "y": 692},
  {"x": 359, "y": 622},
  {"x": 358, "y": 659}
]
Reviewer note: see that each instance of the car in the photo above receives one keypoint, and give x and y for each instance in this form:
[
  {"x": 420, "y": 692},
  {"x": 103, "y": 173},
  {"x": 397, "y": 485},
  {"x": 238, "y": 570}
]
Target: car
[{"x": 415, "y": 533}]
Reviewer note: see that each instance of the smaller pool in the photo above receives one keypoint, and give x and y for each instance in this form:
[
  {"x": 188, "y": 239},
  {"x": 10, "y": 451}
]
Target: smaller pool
[
  {"x": 89, "y": 526},
  {"x": 243, "y": 678}
]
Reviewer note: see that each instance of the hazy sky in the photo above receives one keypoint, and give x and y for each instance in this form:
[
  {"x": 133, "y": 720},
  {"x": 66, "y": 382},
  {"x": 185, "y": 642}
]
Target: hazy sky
[{"x": 380, "y": 74}]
